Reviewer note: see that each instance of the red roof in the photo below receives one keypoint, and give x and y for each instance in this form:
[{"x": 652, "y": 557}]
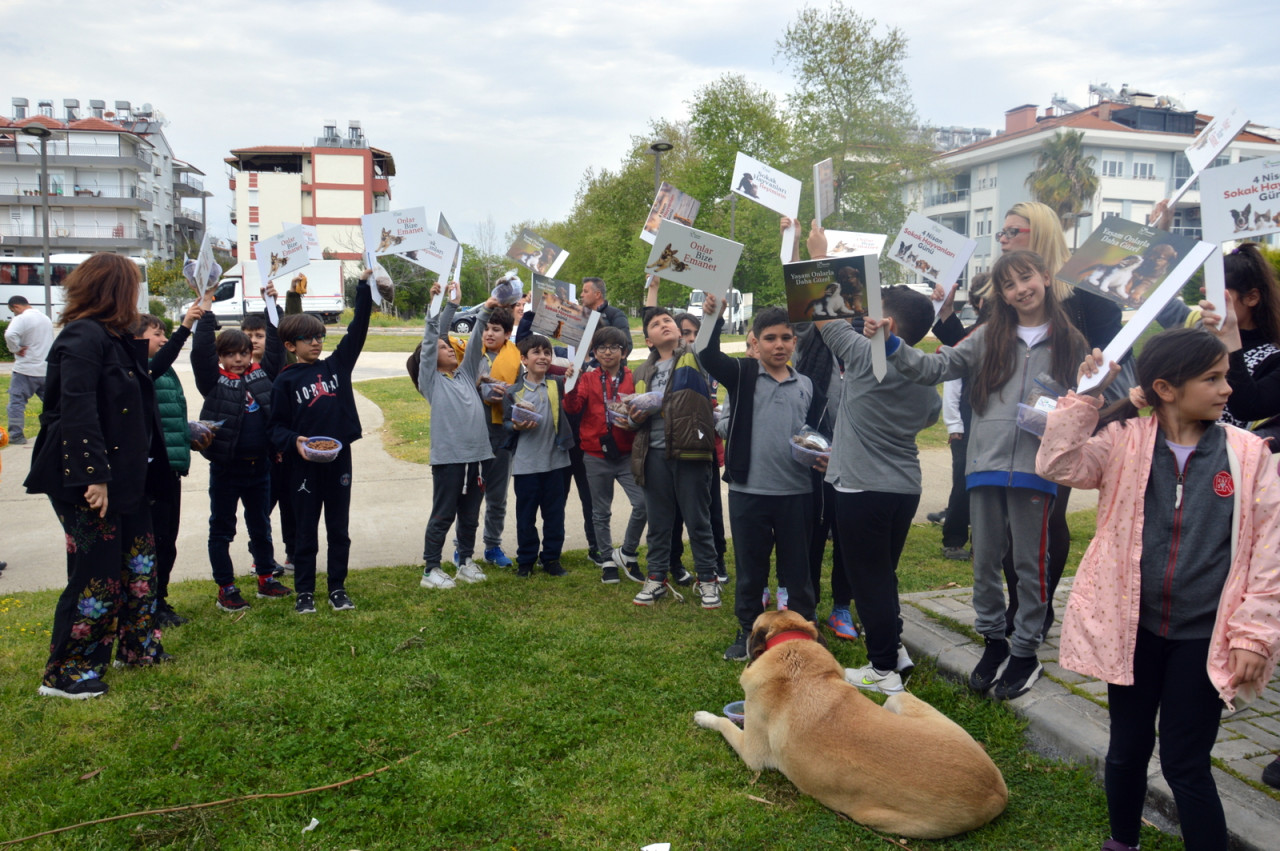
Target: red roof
[
  {"x": 96, "y": 124},
  {"x": 51, "y": 123}
]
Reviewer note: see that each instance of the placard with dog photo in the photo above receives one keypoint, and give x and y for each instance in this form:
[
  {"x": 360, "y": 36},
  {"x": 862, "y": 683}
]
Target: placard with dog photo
[
  {"x": 562, "y": 290},
  {"x": 1125, "y": 261},
  {"x": 673, "y": 204},
  {"x": 1240, "y": 201},
  {"x": 695, "y": 259},
  {"x": 935, "y": 253},
  {"x": 1215, "y": 136},
  {"x": 540, "y": 255},
  {"x": 314, "y": 250},
  {"x": 559, "y": 318},
  {"x": 824, "y": 189},
  {"x": 843, "y": 242},
  {"x": 765, "y": 185},
  {"x": 282, "y": 254},
  {"x": 396, "y": 231},
  {"x": 830, "y": 288},
  {"x": 436, "y": 254}
]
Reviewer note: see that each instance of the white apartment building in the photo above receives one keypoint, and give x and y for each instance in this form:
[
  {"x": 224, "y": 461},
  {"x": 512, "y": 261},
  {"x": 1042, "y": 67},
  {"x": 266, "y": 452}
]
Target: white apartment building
[
  {"x": 113, "y": 182},
  {"x": 1138, "y": 150},
  {"x": 330, "y": 185}
]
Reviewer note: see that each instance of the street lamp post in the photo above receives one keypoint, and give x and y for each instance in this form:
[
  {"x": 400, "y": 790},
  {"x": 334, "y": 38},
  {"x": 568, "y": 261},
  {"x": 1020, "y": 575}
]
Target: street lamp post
[
  {"x": 656, "y": 150},
  {"x": 1075, "y": 226},
  {"x": 43, "y": 133}
]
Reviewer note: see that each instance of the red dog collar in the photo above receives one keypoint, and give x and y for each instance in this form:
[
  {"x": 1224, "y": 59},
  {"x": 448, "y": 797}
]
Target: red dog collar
[{"x": 789, "y": 635}]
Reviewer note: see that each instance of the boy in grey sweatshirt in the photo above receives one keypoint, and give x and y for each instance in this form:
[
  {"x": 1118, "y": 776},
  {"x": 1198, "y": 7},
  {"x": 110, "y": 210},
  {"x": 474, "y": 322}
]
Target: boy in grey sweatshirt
[{"x": 458, "y": 412}]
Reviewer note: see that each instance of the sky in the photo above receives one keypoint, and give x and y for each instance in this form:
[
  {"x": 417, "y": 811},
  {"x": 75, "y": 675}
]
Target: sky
[{"x": 497, "y": 108}]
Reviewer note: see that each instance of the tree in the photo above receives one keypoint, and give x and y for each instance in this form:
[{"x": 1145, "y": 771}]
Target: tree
[
  {"x": 1064, "y": 178},
  {"x": 852, "y": 103}
]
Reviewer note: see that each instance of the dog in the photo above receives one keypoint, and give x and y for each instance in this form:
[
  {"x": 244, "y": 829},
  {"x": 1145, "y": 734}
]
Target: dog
[
  {"x": 902, "y": 249},
  {"x": 903, "y": 768},
  {"x": 1240, "y": 218},
  {"x": 747, "y": 186},
  {"x": 1111, "y": 277},
  {"x": 388, "y": 239},
  {"x": 1155, "y": 265},
  {"x": 667, "y": 260},
  {"x": 278, "y": 262}
]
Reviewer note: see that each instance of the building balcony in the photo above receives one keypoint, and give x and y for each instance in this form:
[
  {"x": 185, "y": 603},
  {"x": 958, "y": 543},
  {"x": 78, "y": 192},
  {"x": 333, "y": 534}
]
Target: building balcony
[
  {"x": 182, "y": 214},
  {"x": 1194, "y": 233},
  {"x": 28, "y": 194},
  {"x": 951, "y": 196},
  {"x": 68, "y": 237},
  {"x": 187, "y": 185}
]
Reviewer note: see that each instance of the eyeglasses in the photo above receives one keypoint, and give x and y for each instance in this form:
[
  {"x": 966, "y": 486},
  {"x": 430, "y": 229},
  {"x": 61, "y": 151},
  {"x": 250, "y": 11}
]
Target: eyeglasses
[
  {"x": 310, "y": 338},
  {"x": 609, "y": 348},
  {"x": 1010, "y": 233}
]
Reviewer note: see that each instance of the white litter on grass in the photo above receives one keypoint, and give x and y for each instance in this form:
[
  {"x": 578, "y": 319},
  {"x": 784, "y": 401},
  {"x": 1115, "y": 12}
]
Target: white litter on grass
[{"x": 314, "y": 824}]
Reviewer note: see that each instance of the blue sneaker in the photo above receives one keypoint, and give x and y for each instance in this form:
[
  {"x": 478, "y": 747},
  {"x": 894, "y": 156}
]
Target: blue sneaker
[
  {"x": 496, "y": 557},
  {"x": 842, "y": 622}
]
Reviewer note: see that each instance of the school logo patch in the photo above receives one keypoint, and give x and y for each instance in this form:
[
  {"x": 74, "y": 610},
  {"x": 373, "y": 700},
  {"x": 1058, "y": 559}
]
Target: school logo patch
[
  {"x": 345, "y": 481},
  {"x": 1223, "y": 484}
]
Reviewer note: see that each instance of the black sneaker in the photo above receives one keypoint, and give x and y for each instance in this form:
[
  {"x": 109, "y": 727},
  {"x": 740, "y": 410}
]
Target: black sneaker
[
  {"x": 524, "y": 571},
  {"x": 81, "y": 689},
  {"x": 609, "y": 573},
  {"x": 305, "y": 604},
  {"x": 722, "y": 573},
  {"x": 165, "y": 617},
  {"x": 340, "y": 601},
  {"x": 271, "y": 588},
  {"x": 229, "y": 599},
  {"x": 631, "y": 570},
  {"x": 553, "y": 568},
  {"x": 737, "y": 651},
  {"x": 1019, "y": 676},
  {"x": 680, "y": 576},
  {"x": 990, "y": 666},
  {"x": 1271, "y": 774}
]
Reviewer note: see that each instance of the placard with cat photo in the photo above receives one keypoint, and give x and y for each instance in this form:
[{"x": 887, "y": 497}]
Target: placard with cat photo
[
  {"x": 282, "y": 254},
  {"x": 1240, "y": 201},
  {"x": 1125, "y": 261},
  {"x": 830, "y": 288},
  {"x": 842, "y": 242},
  {"x": 673, "y": 204},
  {"x": 935, "y": 253},
  {"x": 396, "y": 231},
  {"x": 540, "y": 255}
]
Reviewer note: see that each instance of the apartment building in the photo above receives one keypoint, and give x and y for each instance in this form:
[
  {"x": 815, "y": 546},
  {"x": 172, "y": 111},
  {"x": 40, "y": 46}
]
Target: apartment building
[
  {"x": 114, "y": 183},
  {"x": 330, "y": 184}
]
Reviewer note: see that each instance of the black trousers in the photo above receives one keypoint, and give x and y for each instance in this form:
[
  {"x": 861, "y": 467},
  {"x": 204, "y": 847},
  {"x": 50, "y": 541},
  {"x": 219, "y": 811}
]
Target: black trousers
[
  {"x": 1169, "y": 679},
  {"x": 824, "y": 523},
  {"x": 577, "y": 472},
  {"x": 872, "y": 527},
  {"x": 955, "y": 529},
  {"x": 312, "y": 488},
  {"x": 164, "y": 489},
  {"x": 280, "y": 496},
  {"x": 763, "y": 525},
  {"x": 457, "y": 492}
]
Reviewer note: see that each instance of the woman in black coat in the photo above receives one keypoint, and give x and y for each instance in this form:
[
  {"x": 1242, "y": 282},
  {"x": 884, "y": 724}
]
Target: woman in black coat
[{"x": 98, "y": 428}]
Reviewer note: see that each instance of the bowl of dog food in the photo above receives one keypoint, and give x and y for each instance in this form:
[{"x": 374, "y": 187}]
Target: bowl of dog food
[
  {"x": 524, "y": 412},
  {"x": 809, "y": 447},
  {"x": 202, "y": 432},
  {"x": 644, "y": 403},
  {"x": 492, "y": 390},
  {"x": 736, "y": 711},
  {"x": 321, "y": 449}
]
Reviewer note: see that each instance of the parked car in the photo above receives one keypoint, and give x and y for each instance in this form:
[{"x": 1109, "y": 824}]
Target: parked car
[{"x": 464, "y": 320}]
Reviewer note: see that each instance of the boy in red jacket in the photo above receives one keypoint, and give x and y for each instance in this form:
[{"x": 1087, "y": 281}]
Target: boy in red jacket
[{"x": 606, "y": 451}]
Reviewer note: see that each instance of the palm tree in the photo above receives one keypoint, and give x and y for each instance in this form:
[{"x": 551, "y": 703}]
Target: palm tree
[{"x": 1064, "y": 178}]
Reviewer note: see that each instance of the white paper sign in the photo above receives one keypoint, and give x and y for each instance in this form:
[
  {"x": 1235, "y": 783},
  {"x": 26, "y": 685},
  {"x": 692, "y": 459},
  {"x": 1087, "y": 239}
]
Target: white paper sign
[
  {"x": 580, "y": 356},
  {"x": 1211, "y": 141},
  {"x": 1146, "y": 314},
  {"x": 824, "y": 189},
  {"x": 396, "y": 231},
  {"x": 435, "y": 256},
  {"x": 846, "y": 243},
  {"x": 204, "y": 264},
  {"x": 767, "y": 186},
  {"x": 281, "y": 255},
  {"x": 875, "y": 309},
  {"x": 936, "y": 253},
  {"x": 314, "y": 250},
  {"x": 695, "y": 259}
]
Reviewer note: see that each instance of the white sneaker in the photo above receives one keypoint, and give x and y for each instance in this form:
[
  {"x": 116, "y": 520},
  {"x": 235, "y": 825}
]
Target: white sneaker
[
  {"x": 904, "y": 659},
  {"x": 437, "y": 578},
  {"x": 708, "y": 593},
  {"x": 885, "y": 682},
  {"x": 652, "y": 592},
  {"x": 469, "y": 571}
]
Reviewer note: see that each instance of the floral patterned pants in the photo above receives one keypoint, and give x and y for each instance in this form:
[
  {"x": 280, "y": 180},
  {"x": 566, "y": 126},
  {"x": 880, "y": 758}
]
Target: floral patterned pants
[{"x": 110, "y": 594}]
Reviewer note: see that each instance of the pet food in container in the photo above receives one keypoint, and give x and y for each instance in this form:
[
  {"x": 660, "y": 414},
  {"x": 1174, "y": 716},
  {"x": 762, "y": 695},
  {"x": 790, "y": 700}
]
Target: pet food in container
[
  {"x": 492, "y": 390},
  {"x": 523, "y": 412},
  {"x": 322, "y": 450},
  {"x": 202, "y": 432},
  {"x": 644, "y": 403},
  {"x": 1033, "y": 414},
  {"x": 616, "y": 414},
  {"x": 809, "y": 447},
  {"x": 736, "y": 711},
  {"x": 559, "y": 366}
]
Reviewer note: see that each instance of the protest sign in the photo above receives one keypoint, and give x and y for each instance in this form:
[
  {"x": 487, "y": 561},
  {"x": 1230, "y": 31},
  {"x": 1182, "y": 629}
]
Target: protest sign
[
  {"x": 836, "y": 288},
  {"x": 205, "y": 264},
  {"x": 396, "y": 231},
  {"x": 767, "y": 186},
  {"x": 1210, "y": 142},
  {"x": 1124, "y": 261},
  {"x": 314, "y": 249},
  {"x": 824, "y": 190},
  {"x": 540, "y": 255},
  {"x": 281, "y": 255},
  {"x": 1239, "y": 201},
  {"x": 934, "y": 252},
  {"x": 841, "y": 242},
  {"x": 673, "y": 204},
  {"x": 560, "y": 319},
  {"x": 695, "y": 259},
  {"x": 435, "y": 255}
]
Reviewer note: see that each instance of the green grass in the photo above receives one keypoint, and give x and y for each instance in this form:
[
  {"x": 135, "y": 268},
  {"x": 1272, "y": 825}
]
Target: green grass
[
  {"x": 534, "y": 714},
  {"x": 407, "y": 430},
  {"x": 379, "y": 342}
]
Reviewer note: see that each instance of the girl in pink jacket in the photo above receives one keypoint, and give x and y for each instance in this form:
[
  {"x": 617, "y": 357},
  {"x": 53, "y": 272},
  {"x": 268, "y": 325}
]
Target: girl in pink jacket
[{"x": 1176, "y": 604}]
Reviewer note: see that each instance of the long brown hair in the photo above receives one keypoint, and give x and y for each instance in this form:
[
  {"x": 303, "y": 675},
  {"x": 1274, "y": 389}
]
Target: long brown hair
[
  {"x": 1248, "y": 269},
  {"x": 105, "y": 288},
  {"x": 999, "y": 351}
]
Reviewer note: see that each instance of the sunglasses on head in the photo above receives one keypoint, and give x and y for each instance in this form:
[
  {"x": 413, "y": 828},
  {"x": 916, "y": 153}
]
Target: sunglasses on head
[{"x": 1010, "y": 233}]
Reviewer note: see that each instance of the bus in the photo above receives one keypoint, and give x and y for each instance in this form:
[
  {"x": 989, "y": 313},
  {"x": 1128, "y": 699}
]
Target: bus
[{"x": 24, "y": 276}]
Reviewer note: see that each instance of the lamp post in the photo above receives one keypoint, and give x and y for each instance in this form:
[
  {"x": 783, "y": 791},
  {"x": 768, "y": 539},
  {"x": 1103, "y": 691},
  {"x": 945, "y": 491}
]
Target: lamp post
[
  {"x": 1075, "y": 226},
  {"x": 43, "y": 133},
  {"x": 656, "y": 150}
]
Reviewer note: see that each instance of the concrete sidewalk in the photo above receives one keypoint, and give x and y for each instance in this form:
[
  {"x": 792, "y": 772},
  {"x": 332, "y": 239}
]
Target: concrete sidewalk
[{"x": 1067, "y": 718}]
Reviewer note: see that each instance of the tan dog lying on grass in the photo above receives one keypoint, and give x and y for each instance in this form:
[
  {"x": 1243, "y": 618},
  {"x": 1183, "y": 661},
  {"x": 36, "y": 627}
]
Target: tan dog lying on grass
[{"x": 903, "y": 768}]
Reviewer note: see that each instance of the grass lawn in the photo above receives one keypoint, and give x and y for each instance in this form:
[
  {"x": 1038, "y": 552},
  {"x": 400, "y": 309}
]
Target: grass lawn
[{"x": 379, "y": 342}]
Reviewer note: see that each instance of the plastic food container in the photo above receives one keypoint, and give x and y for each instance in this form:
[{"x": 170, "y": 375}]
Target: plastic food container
[
  {"x": 645, "y": 402},
  {"x": 492, "y": 390},
  {"x": 735, "y": 711},
  {"x": 524, "y": 415},
  {"x": 322, "y": 450}
]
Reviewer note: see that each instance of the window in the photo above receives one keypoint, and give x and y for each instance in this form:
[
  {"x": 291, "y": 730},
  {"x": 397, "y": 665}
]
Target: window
[
  {"x": 982, "y": 222},
  {"x": 1181, "y": 168},
  {"x": 1144, "y": 166},
  {"x": 1111, "y": 207},
  {"x": 1112, "y": 164}
]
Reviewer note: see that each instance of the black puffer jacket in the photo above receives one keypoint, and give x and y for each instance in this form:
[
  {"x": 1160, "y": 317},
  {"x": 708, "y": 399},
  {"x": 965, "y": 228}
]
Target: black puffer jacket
[{"x": 224, "y": 392}]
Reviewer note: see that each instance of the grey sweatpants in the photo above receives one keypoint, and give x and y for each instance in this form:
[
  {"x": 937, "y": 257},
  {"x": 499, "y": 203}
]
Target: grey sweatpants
[
  {"x": 21, "y": 389},
  {"x": 1003, "y": 517},
  {"x": 497, "y": 484},
  {"x": 601, "y": 474},
  {"x": 684, "y": 485}
]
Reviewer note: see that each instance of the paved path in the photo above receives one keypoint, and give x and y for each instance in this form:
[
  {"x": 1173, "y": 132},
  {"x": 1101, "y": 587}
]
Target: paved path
[{"x": 1067, "y": 717}]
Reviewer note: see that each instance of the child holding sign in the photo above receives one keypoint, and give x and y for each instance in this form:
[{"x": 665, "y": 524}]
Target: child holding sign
[
  {"x": 1027, "y": 335},
  {"x": 1177, "y": 601}
]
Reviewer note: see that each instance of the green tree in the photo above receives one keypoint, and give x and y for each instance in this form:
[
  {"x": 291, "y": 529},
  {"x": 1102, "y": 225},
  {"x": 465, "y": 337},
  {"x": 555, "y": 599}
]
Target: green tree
[
  {"x": 166, "y": 281},
  {"x": 852, "y": 103},
  {"x": 1064, "y": 178}
]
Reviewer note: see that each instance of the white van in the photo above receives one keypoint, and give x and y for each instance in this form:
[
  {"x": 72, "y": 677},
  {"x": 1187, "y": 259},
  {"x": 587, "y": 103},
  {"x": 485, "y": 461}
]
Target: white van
[
  {"x": 737, "y": 319},
  {"x": 239, "y": 292}
]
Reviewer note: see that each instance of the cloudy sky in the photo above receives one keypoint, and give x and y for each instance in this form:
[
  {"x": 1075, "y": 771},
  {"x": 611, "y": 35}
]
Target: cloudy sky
[{"x": 496, "y": 108}]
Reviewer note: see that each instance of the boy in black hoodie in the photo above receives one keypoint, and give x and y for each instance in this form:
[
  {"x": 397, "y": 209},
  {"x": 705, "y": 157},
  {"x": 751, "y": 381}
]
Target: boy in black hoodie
[{"x": 314, "y": 398}]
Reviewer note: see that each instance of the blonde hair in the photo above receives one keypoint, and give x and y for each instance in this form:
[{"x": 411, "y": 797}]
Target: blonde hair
[{"x": 1047, "y": 240}]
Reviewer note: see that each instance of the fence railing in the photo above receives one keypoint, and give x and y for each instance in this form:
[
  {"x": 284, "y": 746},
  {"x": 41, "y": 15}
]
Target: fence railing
[
  {"x": 190, "y": 180},
  {"x": 74, "y": 231},
  {"x": 952, "y": 196},
  {"x": 185, "y": 213},
  {"x": 63, "y": 191}
]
